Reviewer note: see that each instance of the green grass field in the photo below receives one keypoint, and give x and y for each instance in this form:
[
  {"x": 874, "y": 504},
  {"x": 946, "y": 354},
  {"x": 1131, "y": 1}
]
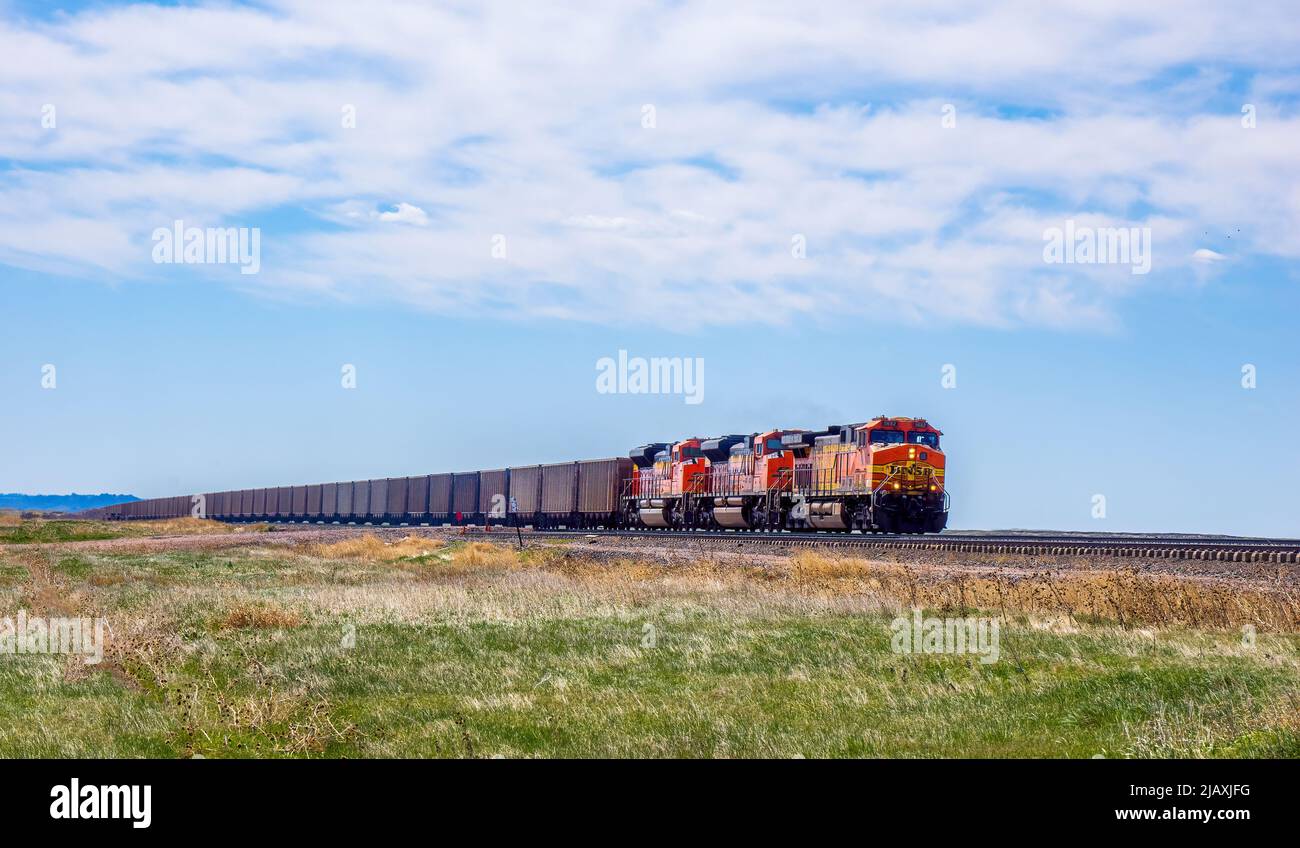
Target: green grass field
[{"x": 424, "y": 650}]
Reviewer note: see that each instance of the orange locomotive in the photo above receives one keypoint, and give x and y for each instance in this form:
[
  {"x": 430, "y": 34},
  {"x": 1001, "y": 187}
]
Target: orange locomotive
[
  {"x": 666, "y": 478},
  {"x": 885, "y": 475}
]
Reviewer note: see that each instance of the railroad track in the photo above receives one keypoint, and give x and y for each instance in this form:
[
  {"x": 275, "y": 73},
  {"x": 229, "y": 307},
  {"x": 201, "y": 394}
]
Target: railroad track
[
  {"x": 1165, "y": 546},
  {"x": 1223, "y": 549}
]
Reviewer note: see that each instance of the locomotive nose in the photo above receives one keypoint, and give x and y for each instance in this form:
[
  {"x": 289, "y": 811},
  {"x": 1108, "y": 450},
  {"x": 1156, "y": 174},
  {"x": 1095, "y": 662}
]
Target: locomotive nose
[{"x": 910, "y": 468}]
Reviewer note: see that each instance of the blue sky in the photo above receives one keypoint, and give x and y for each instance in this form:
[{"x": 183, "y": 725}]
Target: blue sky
[{"x": 924, "y": 244}]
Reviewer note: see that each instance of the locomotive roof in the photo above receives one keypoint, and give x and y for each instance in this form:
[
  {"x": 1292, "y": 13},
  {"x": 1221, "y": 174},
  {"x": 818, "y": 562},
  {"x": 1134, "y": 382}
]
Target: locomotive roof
[{"x": 901, "y": 422}]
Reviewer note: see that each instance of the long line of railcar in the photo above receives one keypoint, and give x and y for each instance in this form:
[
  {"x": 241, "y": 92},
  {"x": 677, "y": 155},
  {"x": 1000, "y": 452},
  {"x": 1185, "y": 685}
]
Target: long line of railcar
[
  {"x": 581, "y": 494},
  {"x": 884, "y": 475}
]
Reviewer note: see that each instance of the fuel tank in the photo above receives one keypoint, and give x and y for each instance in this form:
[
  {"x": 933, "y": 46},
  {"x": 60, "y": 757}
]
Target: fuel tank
[
  {"x": 829, "y": 515},
  {"x": 731, "y": 516},
  {"x": 655, "y": 517}
]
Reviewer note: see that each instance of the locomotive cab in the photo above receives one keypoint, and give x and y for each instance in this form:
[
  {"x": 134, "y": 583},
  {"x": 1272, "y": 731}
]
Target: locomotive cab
[{"x": 907, "y": 470}]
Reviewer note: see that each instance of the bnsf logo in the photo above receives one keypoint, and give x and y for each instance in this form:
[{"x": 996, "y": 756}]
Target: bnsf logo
[{"x": 913, "y": 470}]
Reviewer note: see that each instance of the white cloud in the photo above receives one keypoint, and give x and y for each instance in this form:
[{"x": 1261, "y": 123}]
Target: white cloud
[
  {"x": 525, "y": 120},
  {"x": 1206, "y": 256},
  {"x": 597, "y": 222},
  {"x": 405, "y": 213}
]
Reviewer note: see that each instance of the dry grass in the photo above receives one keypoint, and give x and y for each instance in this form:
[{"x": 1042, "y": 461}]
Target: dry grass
[
  {"x": 10, "y": 518},
  {"x": 1127, "y": 597},
  {"x": 269, "y": 722},
  {"x": 196, "y": 526},
  {"x": 421, "y": 647},
  {"x": 260, "y": 615},
  {"x": 485, "y": 555},
  {"x": 421, "y": 553},
  {"x": 370, "y": 548},
  {"x": 846, "y": 583}
]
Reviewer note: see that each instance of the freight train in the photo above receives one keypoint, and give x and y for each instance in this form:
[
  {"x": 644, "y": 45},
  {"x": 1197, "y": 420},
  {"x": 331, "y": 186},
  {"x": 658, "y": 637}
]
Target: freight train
[{"x": 885, "y": 475}]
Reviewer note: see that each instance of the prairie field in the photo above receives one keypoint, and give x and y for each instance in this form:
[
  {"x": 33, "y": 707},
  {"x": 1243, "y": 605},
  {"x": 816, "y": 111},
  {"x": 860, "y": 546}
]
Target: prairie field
[
  {"x": 234, "y": 642},
  {"x": 18, "y": 531}
]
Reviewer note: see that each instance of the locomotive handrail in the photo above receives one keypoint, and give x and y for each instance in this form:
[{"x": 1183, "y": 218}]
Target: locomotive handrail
[
  {"x": 785, "y": 475},
  {"x": 947, "y": 499},
  {"x": 885, "y": 482}
]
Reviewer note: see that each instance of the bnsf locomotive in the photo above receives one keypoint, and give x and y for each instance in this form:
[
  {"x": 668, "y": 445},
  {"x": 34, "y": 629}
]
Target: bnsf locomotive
[
  {"x": 886, "y": 475},
  {"x": 883, "y": 476}
]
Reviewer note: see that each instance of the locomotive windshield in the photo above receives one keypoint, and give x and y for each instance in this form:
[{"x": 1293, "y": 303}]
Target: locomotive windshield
[
  {"x": 887, "y": 437},
  {"x": 927, "y": 439}
]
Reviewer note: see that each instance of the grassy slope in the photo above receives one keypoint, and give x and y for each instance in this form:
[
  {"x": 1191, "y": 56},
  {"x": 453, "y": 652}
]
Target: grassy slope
[
  {"x": 34, "y": 532},
  {"x": 470, "y": 652},
  {"x": 42, "y": 531}
]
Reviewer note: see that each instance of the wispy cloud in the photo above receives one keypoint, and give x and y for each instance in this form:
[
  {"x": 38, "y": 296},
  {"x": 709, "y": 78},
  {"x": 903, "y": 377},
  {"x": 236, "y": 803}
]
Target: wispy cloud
[
  {"x": 405, "y": 213},
  {"x": 794, "y": 161}
]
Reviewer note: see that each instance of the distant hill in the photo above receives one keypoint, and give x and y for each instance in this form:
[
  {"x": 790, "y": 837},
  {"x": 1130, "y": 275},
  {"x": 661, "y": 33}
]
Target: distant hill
[{"x": 61, "y": 503}]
